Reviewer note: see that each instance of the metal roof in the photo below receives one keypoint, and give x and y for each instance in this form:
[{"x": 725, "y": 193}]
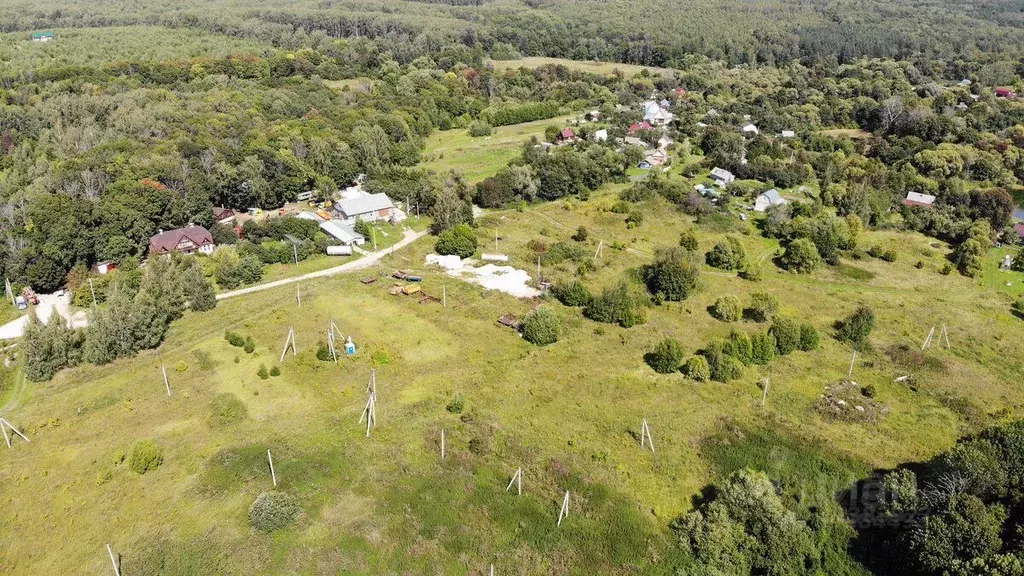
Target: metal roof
[
  {"x": 341, "y": 231},
  {"x": 364, "y": 204}
]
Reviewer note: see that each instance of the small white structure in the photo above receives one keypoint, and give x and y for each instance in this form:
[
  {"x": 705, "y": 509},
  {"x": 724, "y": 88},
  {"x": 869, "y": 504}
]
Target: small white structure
[
  {"x": 664, "y": 142},
  {"x": 601, "y": 135},
  {"x": 343, "y": 233},
  {"x": 749, "y": 128},
  {"x": 339, "y": 250},
  {"x": 722, "y": 177},
  {"x": 918, "y": 199},
  {"x": 788, "y": 134},
  {"x": 656, "y": 114},
  {"x": 768, "y": 199}
]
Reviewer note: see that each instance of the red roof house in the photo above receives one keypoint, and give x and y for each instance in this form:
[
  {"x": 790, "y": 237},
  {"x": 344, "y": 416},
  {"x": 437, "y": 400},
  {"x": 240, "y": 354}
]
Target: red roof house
[
  {"x": 188, "y": 240},
  {"x": 638, "y": 126},
  {"x": 567, "y": 134},
  {"x": 1007, "y": 93}
]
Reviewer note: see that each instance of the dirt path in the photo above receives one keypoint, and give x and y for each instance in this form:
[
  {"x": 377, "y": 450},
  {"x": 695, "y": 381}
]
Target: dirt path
[{"x": 361, "y": 264}]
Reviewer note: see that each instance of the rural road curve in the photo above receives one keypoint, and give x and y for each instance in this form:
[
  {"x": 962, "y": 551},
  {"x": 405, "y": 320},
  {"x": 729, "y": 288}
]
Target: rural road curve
[{"x": 364, "y": 262}]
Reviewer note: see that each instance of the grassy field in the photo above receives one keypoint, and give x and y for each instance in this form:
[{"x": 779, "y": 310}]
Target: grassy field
[
  {"x": 852, "y": 133},
  {"x": 567, "y": 414},
  {"x": 591, "y": 66},
  {"x": 478, "y": 158}
]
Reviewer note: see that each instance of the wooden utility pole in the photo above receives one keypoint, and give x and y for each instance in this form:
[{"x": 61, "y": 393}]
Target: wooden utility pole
[
  {"x": 645, "y": 436},
  {"x": 852, "y": 360},
  {"x": 166, "y": 383},
  {"x": 93, "y": 291},
  {"x": 444, "y": 296},
  {"x": 764, "y": 393},
  {"x": 273, "y": 475},
  {"x": 564, "y": 512},
  {"x": 113, "y": 561},
  {"x": 442, "y": 443},
  {"x": 517, "y": 479}
]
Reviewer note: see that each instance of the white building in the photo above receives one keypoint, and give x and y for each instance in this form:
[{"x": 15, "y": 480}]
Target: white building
[
  {"x": 749, "y": 128},
  {"x": 342, "y": 233},
  {"x": 370, "y": 207},
  {"x": 768, "y": 199},
  {"x": 600, "y": 135},
  {"x": 722, "y": 177},
  {"x": 788, "y": 134},
  {"x": 656, "y": 115}
]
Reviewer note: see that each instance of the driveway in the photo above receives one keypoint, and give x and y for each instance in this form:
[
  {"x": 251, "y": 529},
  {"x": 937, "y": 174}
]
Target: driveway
[
  {"x": 48, "y": 303},
  {"x": 367, "y": 261}
]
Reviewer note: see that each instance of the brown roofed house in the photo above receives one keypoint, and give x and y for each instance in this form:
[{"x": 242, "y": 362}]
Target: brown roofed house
[{"x": 188, "y": 240}]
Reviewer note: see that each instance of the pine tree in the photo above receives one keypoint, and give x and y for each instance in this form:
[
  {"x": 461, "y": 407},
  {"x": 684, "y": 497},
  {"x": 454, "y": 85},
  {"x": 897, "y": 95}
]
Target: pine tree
[
  {"x": 149, "y": 322},
  {"x": 162, "y": 283},
  {"x": 38, "y": 350},
  {"x": 100, "y": 346},
  {"x": 122, "y": 325},
  {"x": 197, "y": 289}
]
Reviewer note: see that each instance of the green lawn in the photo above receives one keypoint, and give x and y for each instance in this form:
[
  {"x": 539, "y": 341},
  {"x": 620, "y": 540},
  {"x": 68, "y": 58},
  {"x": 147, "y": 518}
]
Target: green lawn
[
  {"x": 567, "y": 414},
  {"x": 478, "y": 158}
]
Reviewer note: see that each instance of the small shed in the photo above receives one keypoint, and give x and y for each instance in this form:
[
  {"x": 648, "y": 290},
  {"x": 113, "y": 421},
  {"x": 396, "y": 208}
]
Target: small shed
[
  {"x": 722, "y": 177},
  {"x": 918, "y": 199},
  {"x": 766, "y": 200}
]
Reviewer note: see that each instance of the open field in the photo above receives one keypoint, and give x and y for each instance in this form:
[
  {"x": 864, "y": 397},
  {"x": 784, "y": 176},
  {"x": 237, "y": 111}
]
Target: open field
[
  {"x": 591, "y": 66},
  {"x": 852, "y": 133},
  {"x": 568, "y": 414},
  {"x": 478, "y": 158}
]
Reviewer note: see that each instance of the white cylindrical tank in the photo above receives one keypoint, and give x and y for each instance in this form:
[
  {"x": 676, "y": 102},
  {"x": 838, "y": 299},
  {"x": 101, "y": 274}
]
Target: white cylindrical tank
[{"x": 339, "y": 250}]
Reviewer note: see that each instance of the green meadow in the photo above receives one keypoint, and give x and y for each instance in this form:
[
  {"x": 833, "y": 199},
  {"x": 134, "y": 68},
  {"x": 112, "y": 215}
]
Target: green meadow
[{"x": 568, "y": 414}]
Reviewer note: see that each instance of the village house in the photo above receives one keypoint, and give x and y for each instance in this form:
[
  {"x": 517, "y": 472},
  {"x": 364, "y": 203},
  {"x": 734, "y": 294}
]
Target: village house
[
  {"x": 653, "y": 158},
  {"x": 656, "y": 115},
  {"x": 1007, "y": 93},
  {"x": 639, "y": 126},
  {"x": 749, "y": 128},
  {"x": 632, "y": 141},
  {"x": 370, "y": 207},
  {"x": 566, "y": 136},
  {"x": 42, "y": 36},
  {"x": 188, "y": 240},
  {"x": 788, "y": 134},
  {"x": 722, "y": 177},
  {"x": 918, "y": 199},
  {"x": 223, "y": 215},
  {"x": 766, "y": 200},
  {"x": 600, "y": 135}
]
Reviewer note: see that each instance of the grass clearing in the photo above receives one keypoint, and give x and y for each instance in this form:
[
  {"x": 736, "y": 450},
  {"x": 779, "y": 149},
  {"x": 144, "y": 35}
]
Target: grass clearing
[
  {"x": 852, "y": 133},
  {"x": 591, "y": 66},
  {"x": 478, "y": 158},
  {"x": 568, "y": 414}
]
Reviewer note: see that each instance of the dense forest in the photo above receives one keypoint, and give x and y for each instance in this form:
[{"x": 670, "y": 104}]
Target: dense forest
[{"x": 642, "y": 32}]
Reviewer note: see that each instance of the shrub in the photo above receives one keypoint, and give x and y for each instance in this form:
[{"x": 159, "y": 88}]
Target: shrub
[
  {"x": 727, "y": 309},
  {"x": 618, "y": 305},
  {"x": 480, "y": 128},
  {"x": 808, "y": 338},
  {"x": 688, "y": 240},
  {"x": 667, "y": 356},
  {"x": 1018, "y": 307},
  {"x": 273, "y": 511},
  {"x": 856, "y": 327},
  {"x": 722, "y": 367},
  {"x": 581, "y": 234},
  {"x": 234, "y": 339},
  {"x": 275, "y": 371},
  {"x": 763, "y": 307},
  {"x": 869, "y": 391},
  {"x": 697, "y": 368},
  {"x": 875, "y": 251},
  {"x": 573, "y": 294},
  {"x": 919, "y": 265},
  {"x": 727, "y": 254},
  {"x": 323, "y": 352},
  {"x": 562, "y": 251},
  {"x": 634, "y": 219},
  {"x": 889, "y": 255},
  {"x": 739, "y": 346},
  {"x": 762, "y": 348},
  {"x": 541, "y": 327},
  {"x": 622, "y": 207},
  {"x": 674, "y": 274},
  {"x": 787, "y": 335},
  {"x": 946, "y": 269},
  {"x": 226, "y": 408},
  {"x": 801, "y": 256},
  {"x": 262, "y": 372},
  {"x": 456, "y": 405},
  {"x": 181, "y": 366},
  {"x": 459, "y": 240},
  {"x": 250, "y": 345},
  {"x": 146, "y": 456},
  {"x": 752, "y": 273}
]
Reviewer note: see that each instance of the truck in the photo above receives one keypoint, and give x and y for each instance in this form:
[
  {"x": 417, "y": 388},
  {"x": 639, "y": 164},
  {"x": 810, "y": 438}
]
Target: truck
[{"x": 30, "y": 295}]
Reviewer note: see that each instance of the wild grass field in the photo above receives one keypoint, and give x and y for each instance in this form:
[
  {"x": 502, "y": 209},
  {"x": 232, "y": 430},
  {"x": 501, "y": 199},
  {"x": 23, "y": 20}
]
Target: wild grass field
[
  {"x": 592, "y": 66},
  {"x": 478, "y": 158},
  {"x": 568, "y": 414}
]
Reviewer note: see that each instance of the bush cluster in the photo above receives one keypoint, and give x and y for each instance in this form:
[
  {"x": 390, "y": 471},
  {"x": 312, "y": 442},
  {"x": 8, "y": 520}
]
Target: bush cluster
[
  {"x": 541, "y": 327},
  {"x": 146, "y": 456},
  {"x": 273, "y": 511}
]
